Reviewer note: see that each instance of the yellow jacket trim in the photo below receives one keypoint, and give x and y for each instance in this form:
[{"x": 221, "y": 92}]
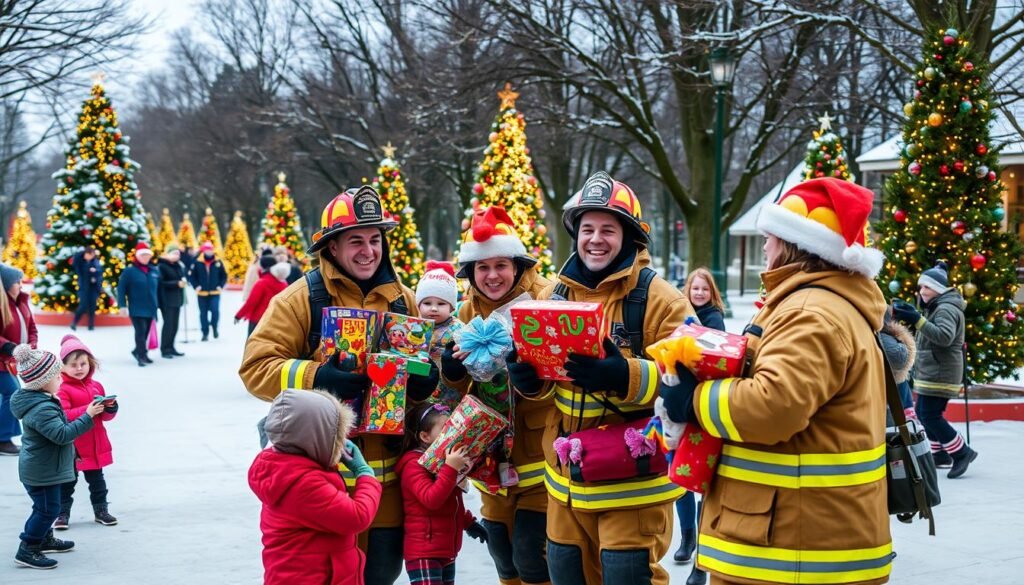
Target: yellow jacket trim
[
  {"x": 530, "y": 475},
  {"x": 937, "y": 386},
  {"x": 713, "y": 409},
  {"x": 654, "y": 490},
  {"x": 648, "y": 389},
  {"x": 811, "y": 470},
  {"x": 569, "y": 403},
  {"x": 293, "y": 372},
  {"x": 384, "y": 471},
  {"x": 782, "y": 565}
]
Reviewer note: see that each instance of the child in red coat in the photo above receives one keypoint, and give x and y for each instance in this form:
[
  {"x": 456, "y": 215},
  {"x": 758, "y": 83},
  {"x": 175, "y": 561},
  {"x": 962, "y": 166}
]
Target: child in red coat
[
  {"x": 434, "y": 513},
  {"x": 272, "y": 280},
  {"x": 309, "y": 521},
  {"x": 78, "y": 390}
]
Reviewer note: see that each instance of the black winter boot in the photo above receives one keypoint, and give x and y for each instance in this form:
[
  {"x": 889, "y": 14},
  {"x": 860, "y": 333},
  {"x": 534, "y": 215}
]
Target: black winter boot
[
  {"x": 686, "y": 546},
  {"x": 29, "y": 555},
  {"x": 103, "y": 516},
  {"x": 963, "y": 458},
  {"x": 697, "y": 577},
  {"x": 942, "y": 460},
  {"x": 52, "y": 544}
]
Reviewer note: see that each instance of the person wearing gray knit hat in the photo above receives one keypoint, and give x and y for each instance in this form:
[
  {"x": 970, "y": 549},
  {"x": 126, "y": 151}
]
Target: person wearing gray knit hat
[
  {"x": 936, "y": 278},
  {"x": 10, "y": 275}
]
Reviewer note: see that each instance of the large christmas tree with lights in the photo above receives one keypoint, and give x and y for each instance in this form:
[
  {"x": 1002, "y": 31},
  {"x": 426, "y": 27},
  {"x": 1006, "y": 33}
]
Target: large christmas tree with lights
[
  {"x": 20, "y": 250},
  {"x": 404, "y": 241},
  {"x": 187, "y": 233},
  {"x": 237, "y": 250},
  {"x": 825, "y": 154},
  {"x": 505, "y": 177},
  {"x": 281, "y": 224},
  {"x": 151, "y": 230},
  {"x": 945, "y": 204},
  {"x": 210, "y": 232},
  {"x": 97, "y": 204},
  {"x": 164, "y": 235}
]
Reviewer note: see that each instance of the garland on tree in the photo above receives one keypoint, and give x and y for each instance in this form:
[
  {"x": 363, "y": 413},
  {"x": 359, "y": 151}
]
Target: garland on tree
[
  {"x": 945, "y": 204},
  {"x": 825, "y": 154},
  {"x": 20, "y": 251},
  {"x": 404, "y": 241},
  {"x": 165, "y": 235},
  {"x": 238, "y": 253},
  {"x": 187, "y": 233},
  {"x": 97, "y": 204},
  {"x": 281, "y": 224},
  {"x": 209, "y": 232}
]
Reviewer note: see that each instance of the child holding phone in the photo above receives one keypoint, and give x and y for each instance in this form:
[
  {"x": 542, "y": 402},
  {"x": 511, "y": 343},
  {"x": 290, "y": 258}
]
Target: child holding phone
[{"x": 78, "y": 390}]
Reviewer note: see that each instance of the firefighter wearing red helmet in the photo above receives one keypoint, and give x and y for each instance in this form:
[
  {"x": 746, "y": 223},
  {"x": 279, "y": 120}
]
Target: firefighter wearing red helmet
[{"x": 283, "y": 352}]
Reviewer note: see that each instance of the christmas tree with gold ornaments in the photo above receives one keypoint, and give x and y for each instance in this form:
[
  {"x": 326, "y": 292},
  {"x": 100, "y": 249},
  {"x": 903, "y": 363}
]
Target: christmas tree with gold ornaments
[
  {"x": 164, "y": 235},
  {"x": 945, "y": 204},
  {"x": 187, "y": 233},
  {"x": 151, "y": 228},
  {"x": 404, "y": 241},
  {"x": 209, "y": 232},
  {"x": 281, "y": 224},
  {"x": 20, "y": 250},
  {"x": 97, "y": 204},
  {"x": 825, "y": 154},
  {"x": 506, "y": 178},
  {"x": 238, "y": 253}
]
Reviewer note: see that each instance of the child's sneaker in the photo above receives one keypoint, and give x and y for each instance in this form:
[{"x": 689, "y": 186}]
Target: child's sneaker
[
  {"x": 103, "y": 516},
  {"x": 30, "y": 556},
  {"x": 62, "y": 522},
  {"x": 52, "y": 544}
]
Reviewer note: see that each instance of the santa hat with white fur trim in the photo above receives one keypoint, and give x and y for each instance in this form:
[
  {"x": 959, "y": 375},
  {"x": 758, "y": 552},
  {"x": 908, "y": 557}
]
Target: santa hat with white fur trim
[
  {"x": 492, "y": 235},
  {"x": 438, "y": 281},
  {"x": 826, "y": 217}
]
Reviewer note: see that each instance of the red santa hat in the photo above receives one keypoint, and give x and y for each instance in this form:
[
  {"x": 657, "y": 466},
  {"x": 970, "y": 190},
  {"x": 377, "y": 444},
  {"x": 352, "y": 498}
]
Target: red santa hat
[
  {"x": 492, "y": 235},
  {"x": 827, "y": 217},
  {"x": 142, "y": 248},
  {"x": 438, "y": 281}
]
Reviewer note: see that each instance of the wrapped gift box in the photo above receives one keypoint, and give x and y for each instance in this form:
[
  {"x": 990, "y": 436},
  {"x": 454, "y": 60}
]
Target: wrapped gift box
[
  {"x": 546, "y": 332},
  {"x": 350, "y": 332},
  {"x": 473, "y": 425},
  {"x": 694, "y": 462},
  {"x": 384, "y": 405},
  {"x": 408, "y": 337}
]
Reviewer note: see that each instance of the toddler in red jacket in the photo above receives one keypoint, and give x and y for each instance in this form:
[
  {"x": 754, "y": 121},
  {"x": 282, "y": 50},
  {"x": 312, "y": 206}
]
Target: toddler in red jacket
[
  {"x": 78, "y": 389},
  {"x": 434, "y": 513},
  {"x": 309, "y": 520}
]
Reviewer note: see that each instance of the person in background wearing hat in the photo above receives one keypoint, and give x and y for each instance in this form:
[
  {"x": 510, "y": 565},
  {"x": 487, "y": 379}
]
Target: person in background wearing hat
[
  {"x": 17, "y": 326},
  {"x": 172, "y": 298},
  {"x": 48, "y": 460},
  {"x": 939, "y": 368},
  {"x": 616, "y": 531},
  {"x": 355, "y": 271},
  {"x": 804, "y": 426},
  {"x": 137, "y": 289},
  {"x": 499, "y": 269},
  {"x": 208, "y": 277},
  {"x": 253, "y": 272},
  {"x": 90, "y": 282},
  {"x": 283, "y": 254},
  {"x": 272, "y": 281}
]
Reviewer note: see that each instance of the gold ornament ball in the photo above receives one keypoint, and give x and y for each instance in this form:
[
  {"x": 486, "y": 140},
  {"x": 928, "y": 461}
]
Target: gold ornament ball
[
  {"x": 935, "y": 119},
  {"x": 910, "y": 247},
  {"x": 970, "y": 289},
  {"x": 908, "y": 108}
]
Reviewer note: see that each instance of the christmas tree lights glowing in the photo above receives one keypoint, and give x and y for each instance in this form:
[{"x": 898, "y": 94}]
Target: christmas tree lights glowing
[
  {"x": 165, "y": 235},
  {"x": 825, "y": 154},
  {"x": 404, "y": 241},
  {"x": 187, "y": 233},
  {"x": 209, "y": 232},
  {"x": 281, "y": 224},
  {"x": 20, "y": 250},
  {"x": 238, "y": 253}
]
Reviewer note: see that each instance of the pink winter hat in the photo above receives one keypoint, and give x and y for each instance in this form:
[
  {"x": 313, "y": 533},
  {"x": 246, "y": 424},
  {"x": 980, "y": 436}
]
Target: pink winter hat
[
  {"x": 70, "y": 344},
  {"x": 206, "y": 247}
]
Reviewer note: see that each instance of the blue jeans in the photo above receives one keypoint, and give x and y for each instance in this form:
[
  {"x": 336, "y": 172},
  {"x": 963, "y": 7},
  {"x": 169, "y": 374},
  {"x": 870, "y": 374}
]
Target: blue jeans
[
  {"x": 906, "y": 396},
  {"x": 9, "y": 426},
  {"x": 686, "y": 509},
  {"x": 384, "y": 561},
  {"x": 931, "y": 412},
  {"x": 45, "y": 509},
  {"x": 209, "y": 314}
]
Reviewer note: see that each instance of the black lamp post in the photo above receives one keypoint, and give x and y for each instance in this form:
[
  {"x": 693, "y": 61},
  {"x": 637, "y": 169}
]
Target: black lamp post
[{"x": 723, "y": 67}]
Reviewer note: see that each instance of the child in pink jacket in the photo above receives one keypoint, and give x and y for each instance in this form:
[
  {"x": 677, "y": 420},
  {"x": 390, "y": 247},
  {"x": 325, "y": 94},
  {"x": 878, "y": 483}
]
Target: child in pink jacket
[{"x": 77, "y": 391}]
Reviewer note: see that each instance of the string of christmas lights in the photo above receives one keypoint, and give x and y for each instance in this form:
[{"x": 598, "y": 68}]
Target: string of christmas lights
[{"x": 238, "y": 252}]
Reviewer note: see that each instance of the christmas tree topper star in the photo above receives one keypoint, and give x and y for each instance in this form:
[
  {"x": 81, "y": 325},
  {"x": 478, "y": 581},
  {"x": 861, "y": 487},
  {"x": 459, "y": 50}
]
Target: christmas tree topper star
[
  {"x": 508, "y": 97},
  {"x": 98, "y": 78},
  {"x": 280, "y": 177},
  {"x": 826, "y": 122},
  {"x": 389, "y": 151}
]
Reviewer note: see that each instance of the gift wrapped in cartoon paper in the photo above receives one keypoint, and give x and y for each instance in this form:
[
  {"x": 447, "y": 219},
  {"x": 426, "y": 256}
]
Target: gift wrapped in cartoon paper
[
  {"x": 473, "y": 425},
  {"x": 384, "y": 406},
  {"x": 547, "y": 332},
  {"x": 408, "y": 337},
  {"x": 350, "y": 332}
]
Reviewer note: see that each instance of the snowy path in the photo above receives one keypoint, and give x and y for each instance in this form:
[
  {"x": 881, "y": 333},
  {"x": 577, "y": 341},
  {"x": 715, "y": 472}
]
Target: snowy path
[{"x": 185, "y": 437}]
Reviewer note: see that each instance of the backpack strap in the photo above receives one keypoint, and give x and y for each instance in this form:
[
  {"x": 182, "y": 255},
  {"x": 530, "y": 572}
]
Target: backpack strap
[
  {"x": 319, "y": 298},
  {"x": 634, "y": 309},
  {"x": 398, "y": 306},
  {"x": 560, "y": 291}
]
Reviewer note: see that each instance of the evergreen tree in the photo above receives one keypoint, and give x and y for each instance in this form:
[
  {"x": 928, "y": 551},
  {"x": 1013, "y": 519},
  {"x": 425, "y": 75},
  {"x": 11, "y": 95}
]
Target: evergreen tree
[
  {"x": 97, "y": 204},
  {"x": 165, "y": 236},
  {"x": 209, "y": 232},
  {"x": 151, "y": 228},
  {"x": 506, "y": 178},
  {"x": 945, "y": 204},
  {"x": 238, "y": 253},
  {"x": 20, "y": 250},
  {"x": 825, "y": 154},
  {"x": 404, "y": 241},
  {"x": 281, "y": 225},
  {"x": 187, "y": 233}
]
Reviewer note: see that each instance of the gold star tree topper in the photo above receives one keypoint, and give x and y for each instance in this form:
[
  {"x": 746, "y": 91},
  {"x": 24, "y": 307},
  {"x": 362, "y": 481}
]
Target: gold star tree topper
[
  {"x": 389, "y": 150},
  {"x": 507, "y": 96}
]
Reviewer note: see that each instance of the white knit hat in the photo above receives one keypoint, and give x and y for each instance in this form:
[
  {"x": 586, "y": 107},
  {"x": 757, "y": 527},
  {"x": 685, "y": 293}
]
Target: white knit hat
[{"x": 438, "y": 281}]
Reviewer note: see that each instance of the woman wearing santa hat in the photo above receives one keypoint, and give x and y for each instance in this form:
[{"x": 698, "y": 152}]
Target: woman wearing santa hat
[{"x": 138, "y": 289}]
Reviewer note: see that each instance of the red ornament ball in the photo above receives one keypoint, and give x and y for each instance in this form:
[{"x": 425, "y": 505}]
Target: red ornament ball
[
  {"x": 959, "y": 227},
  {"x": 948, "y": 40},
  {"x": 968, "y": 66},
  {"x": 920, "y": 83},
  {"x": 937, "y": 57},
  {"x": 818, "y": 174},
  {"x": 991, "y": 175},
  {"x": 900, "y": 216},
  {"x": 827, "y": 157},
  {"x": 115, "y": 162},
  {"x": 478, "y": 188},
  {"x": 978, "y": 261},
  {"x": 1011, "y": 316},
  {"x": 943, "y": 170},
  {"x": 981, "y": 149},
  {"x": 837, "y": 173},
  {"x": 70, "y": 180},
  {"x": 958, "y": 166}
]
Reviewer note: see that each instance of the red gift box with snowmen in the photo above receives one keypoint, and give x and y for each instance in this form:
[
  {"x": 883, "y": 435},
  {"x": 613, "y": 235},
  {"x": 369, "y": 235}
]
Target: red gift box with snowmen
[{"x": 547, "y": 332}]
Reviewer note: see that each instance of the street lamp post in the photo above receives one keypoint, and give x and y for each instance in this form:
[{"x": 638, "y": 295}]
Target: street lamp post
[{"x": 723, "y": 67}]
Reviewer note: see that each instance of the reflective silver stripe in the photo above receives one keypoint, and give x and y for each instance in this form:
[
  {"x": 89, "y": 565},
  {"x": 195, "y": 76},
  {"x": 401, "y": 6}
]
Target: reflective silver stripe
[
  {"x": 798, "y": 470},
  {"x": 531, "y": 474},
  {"x": 795, "y": 566},
  {"x": 575, "y": 405},
  {"x": 713, "y": 411}
]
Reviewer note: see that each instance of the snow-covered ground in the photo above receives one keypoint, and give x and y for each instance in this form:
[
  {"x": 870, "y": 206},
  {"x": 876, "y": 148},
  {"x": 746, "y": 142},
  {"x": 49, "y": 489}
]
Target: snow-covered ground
[{"x": 186, "y": 434}]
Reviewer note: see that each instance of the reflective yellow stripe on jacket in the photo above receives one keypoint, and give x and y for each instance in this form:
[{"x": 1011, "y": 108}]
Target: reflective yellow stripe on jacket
[
  {"x": 803, "y": 471},
  {"x": 384, "y": 471},
  {"x": 638, "y": 492},
  {"x": 783, "y": 565},
  {"x": 713, "y": 410},
  {"x": 530, "y": 475},
  {"x": 292, "y": 373},
  {"x": 569, "y": 403}
]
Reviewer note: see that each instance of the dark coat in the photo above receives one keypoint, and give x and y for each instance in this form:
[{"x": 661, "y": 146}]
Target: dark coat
[
  {"x": 171, "y": 295},
  {"x": 48, "y": 445},
  {"x": 939, "y": 369},
  {"x": 295, "y": 274},
  {"x": 140, "y": 290},
  {"x": 90, "y": 276},
  {"x": 711, "y": 317},
  {"x": 208, "y": 278}
]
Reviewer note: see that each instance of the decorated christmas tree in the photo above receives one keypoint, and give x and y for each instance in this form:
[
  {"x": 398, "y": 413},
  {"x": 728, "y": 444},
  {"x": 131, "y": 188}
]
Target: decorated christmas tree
[
  {"x": 20, "y": 250},
  {"x": 151, "y": 228},
  {"x": 97, "y": 204},
  {"x": 165, "y": 235},
  {"x": 404, "y": 241},
  {"x": 281, "y": 225},
  {"x": 825, "y": 154},
  {"x": 944, "y": 204},
  {"x": 505, "y": 177},
  {"x": 209, "y": 232},
  {"x": 238, "y": 252},
  {"x": 187, "y": 233}
]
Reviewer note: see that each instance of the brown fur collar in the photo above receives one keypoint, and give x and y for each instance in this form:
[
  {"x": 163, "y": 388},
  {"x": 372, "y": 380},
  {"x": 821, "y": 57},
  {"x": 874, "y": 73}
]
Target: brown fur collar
[{"x": 904, "y": 336}]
